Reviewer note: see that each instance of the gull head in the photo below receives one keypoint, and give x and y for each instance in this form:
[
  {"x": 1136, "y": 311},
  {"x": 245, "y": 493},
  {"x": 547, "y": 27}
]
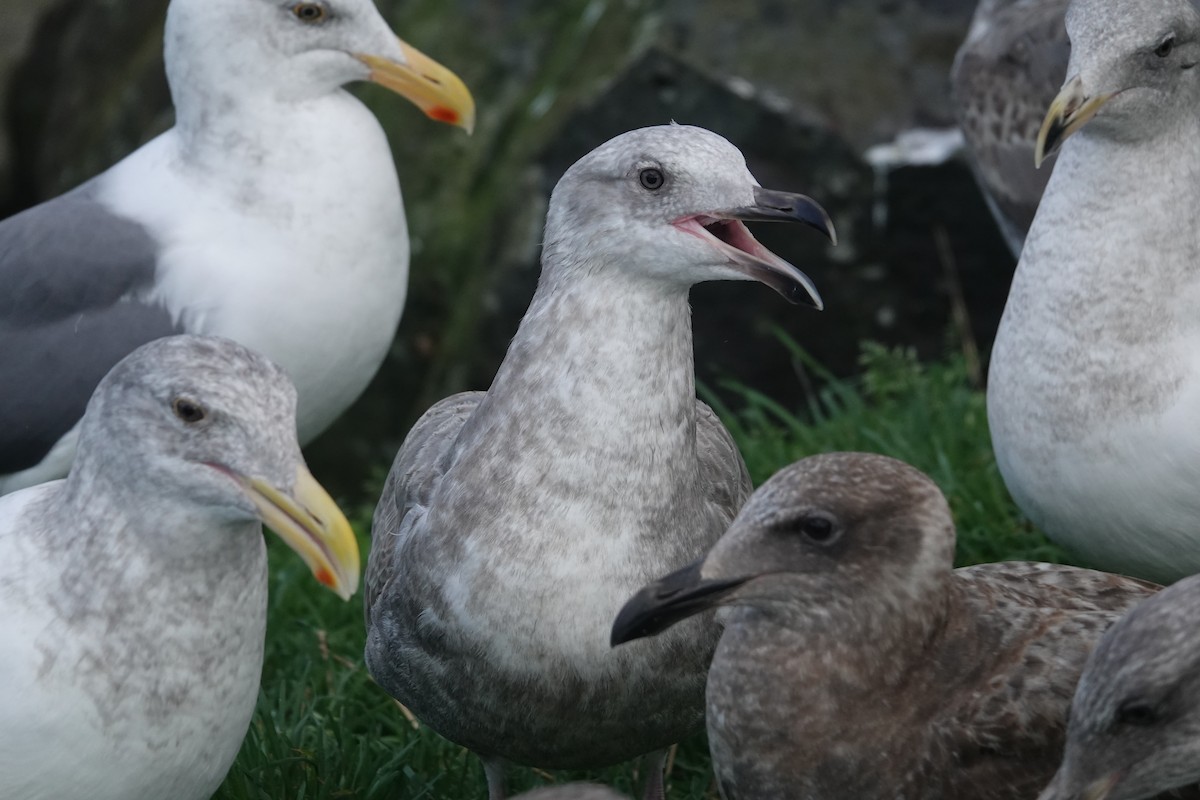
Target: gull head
[
  {"x": 1132, "y": 72},
  {"x": 292, "y": 50},
  {"x": 667, "y": 205},
  {"x": 1135, "y": 720},
  {"x": 203, "y": 429},
  {"x": 829, "y": 536}
]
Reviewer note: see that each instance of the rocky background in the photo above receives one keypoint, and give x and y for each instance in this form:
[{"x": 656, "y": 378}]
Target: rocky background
[{"x": 804, "y": 87}]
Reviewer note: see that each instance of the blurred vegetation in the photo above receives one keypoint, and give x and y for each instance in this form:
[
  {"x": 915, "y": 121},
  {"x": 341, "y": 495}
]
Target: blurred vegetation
[{"x": 324, "y": 730}]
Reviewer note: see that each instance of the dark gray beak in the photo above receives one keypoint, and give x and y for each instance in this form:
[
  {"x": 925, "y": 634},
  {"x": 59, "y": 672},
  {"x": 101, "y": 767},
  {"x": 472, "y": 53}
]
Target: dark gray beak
[
  {"x": 676, "y": 597},
  {"x": 724, "y": 230},
  {"x": 773, "y": 206}
]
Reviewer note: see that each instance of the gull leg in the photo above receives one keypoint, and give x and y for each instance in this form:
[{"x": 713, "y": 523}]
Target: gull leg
[
  {"x": 653, "y": 764},
  {"x": 493, "y": 768}
]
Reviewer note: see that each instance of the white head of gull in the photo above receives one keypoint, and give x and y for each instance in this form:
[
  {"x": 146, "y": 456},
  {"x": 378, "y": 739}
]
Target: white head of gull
[
  {"x": 1135, "y": 719},
  {"x": 1095, "y": 384},
  {"x": 514, "y": 523},
  {"x": 269, "y": 214},
  {"x": 856, "y": 663},
  {"x": 133, "y": 594}
]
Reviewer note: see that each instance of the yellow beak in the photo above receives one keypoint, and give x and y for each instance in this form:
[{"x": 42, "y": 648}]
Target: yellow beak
[
  {"x": 1070, "y": 111},
  {"x": 310, "y": 523},
  {"x": 427, "y": 84}
]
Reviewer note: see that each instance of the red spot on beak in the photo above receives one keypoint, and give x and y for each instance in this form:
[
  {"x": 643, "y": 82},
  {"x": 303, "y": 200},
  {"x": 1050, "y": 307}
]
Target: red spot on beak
[
  {"x": 443, "y": 114},
  {"x": 324, "y": 577}
]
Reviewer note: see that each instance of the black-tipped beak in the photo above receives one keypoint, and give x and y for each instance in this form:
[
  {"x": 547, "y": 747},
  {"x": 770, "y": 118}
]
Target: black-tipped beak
[
  {"x": 774, "y": 206},
  {"x": 668, "y": 600},
  {"x": 725, "y": 231}
]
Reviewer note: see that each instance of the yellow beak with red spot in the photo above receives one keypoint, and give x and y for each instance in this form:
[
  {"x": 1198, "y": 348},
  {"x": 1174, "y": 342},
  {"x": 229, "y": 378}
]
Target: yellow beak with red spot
[
  {"x": 427, "y": 84},
  {"x": 310, "y": 523}
]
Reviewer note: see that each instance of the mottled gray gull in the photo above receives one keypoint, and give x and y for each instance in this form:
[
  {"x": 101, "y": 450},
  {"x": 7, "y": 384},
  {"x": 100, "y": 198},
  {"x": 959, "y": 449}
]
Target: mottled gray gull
[
  {"x": 133, "y": 594},
  {"x": 515, "y": 523},
  {"x": 1094, "y": 386},
  {"x": 1135, "y": 719},
  {"x": 269, "y": 214},
  {"x": 1005, "y": 74},
  {"x": 856, "y": 664}
]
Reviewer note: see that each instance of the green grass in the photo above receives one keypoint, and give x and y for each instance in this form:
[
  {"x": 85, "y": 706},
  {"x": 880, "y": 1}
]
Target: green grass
[{"x": 322, "y": 729}]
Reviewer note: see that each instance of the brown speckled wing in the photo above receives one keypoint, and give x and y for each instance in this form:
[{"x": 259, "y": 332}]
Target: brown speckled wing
[
  {"x": 1031, "y": 627},
  {"x": 1004, "y": 81},
  {"x": 423, "y": 459}
]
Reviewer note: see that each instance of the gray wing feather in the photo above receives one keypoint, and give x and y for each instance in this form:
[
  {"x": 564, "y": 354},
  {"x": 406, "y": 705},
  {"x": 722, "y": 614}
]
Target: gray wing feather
[
  {"x": 426, "y": 455},
  {"x": 69, "y": 269},
  {"x": 722, "y": 469}
]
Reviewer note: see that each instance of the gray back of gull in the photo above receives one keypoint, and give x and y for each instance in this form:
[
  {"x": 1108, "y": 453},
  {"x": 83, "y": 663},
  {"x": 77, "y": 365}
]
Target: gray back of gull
[{"x": 71, "y": 271}]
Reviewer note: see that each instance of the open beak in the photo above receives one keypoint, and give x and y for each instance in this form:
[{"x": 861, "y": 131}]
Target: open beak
[
  {"x": 725, "y": 231},
  {"x": 310, "y": 523},
  {"x": 427, "y": 84},
  {"x": 1070, "y": 111},
  {"x": 676, "y": 597}
]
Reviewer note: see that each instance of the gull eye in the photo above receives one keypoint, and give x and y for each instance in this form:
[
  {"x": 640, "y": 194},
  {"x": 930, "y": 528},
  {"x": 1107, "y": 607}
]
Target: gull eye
[
  {"x": 1136, "y": 712},
  {"x": 1165, "y": 47},
  {"x": 187, "y": 410},
  {"x": 817, "y": 527},
  {"x": 309, "y": 12},
  {"x": 651, "y": 178}
]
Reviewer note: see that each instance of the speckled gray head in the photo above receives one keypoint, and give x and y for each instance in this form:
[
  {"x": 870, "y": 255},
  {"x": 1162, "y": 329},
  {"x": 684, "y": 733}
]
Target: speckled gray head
[
  {"x": 206, "y": 428},
  {"x": 1135, "y": 720},
  {"x": 839, "y": 525},
  {"x": 1132, "y": 70},
  {"x": 242, "y": 48},
  {"x": 668, "y": 203}
]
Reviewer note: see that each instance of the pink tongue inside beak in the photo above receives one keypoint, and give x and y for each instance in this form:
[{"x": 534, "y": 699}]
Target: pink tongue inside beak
[{"x": 734, "y": 240}]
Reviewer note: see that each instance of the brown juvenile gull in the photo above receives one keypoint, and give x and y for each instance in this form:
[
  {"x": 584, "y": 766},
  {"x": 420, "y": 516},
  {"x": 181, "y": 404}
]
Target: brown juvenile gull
[
  {"x": 1094, "y": 387},
  {"x": 1005, "y": 74},
  {"x": 515, "y": 523},
  {"x": 270, "y": 213},
  {"x": 856, "y": 664},
  {"x": 1135, "y": 719},
  {"x": 133, "y": 594}
]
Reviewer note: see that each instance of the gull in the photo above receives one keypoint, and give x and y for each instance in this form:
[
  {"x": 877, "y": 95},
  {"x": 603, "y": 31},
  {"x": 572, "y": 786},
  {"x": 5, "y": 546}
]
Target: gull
[
  {"x": 1094, "y": 385},
  {"x": 857, "y": 664},
  {"x": 269, "y": 214},
  {"x": 515, "y": 522},
  {"x": 133, "y": 594}
]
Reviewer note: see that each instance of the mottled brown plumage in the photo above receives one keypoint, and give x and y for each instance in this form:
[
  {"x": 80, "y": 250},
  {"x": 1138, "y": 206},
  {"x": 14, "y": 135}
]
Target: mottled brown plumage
[{"x": 857, "y": 664}]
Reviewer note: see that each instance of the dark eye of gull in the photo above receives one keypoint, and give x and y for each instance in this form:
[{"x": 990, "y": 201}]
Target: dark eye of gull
[
  {"x": 817, "y": 527},
  {"x": 1165, "y": 47},
  {"x": 189, "y": 411},
  {"x": 1136, "y": 712},
  {"x": 309, "y": 12},
  {"x": 651, "y": 178}
]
